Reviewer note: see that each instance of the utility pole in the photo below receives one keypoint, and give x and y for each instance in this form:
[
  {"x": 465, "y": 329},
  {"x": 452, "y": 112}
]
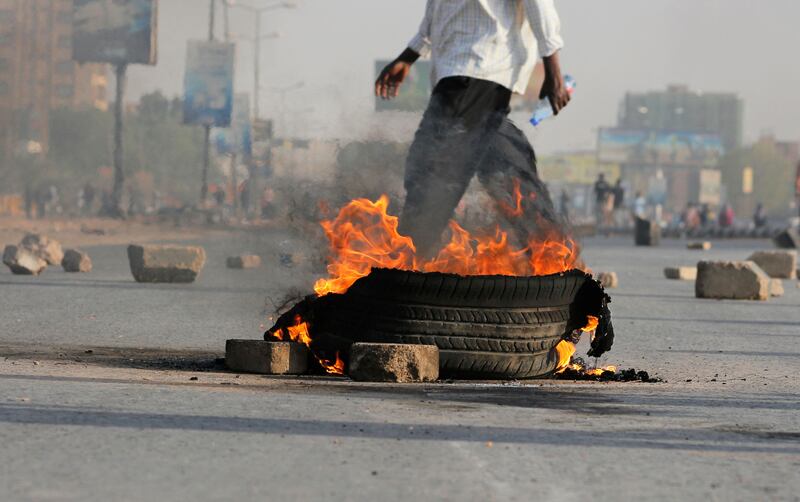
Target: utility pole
[
  {"x": 234, "y": 157},
  {"x": 120, "y": 70},
  {"x": 207, "y": 127},
  {"x": 257, "y": 66},
  {"x": 257, "y": 12}
]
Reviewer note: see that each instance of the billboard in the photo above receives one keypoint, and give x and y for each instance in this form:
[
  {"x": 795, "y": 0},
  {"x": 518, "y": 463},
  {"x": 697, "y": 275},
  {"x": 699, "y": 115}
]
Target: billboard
[
  {"x": 710, "y": 184},
  {"x": 208, "y": 83},
  {"x": 659, "y": 148},
  {"x": 415, "y": 91},
  {"x": 114, "y": 31},
  {"x": 238, "y": 138},
  {"x": 578, "y": 168}
]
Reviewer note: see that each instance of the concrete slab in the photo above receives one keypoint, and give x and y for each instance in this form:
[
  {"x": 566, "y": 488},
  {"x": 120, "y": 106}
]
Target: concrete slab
[{"x": 266, "y": 357}]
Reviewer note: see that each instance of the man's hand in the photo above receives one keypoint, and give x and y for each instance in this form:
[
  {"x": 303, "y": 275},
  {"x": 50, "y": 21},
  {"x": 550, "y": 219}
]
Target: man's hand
[
  {"x": 388, "y": 84},
  {"x": 553, "y": 88}
]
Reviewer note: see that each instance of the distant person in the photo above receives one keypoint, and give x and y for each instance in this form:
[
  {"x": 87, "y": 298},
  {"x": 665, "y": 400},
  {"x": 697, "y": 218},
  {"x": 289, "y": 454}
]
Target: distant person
[
  {"x": 704, "y": 212},
  {"x": 619, "y": 203},
  {"x": 244, "y": 196},
  {"x": 564, "y": 203},
  {"x": 797, "y": 187},
  {"x": 726, "y": 216},
  {"x": 640, "y": 206},
  {"x": 219, "y": 197},
  {"x": 29, "y": 196},
  {"x": 268, "y": 204},
  {"x": 158, "y": 201},
  {"x": 760, "y": 218},
  {"x": 54, "y": 200},
  {"x": 601, "y": 190},
  {"x": 604, "y": 201},
  {"x": 88, "y": 194},
  {"x": 692, "y": 219},
  {"x": 42, "y": 202}
]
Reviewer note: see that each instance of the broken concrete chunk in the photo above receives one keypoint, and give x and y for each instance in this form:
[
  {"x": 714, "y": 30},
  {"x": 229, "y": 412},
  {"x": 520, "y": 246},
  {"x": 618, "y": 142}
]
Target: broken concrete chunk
[
  {"x": 244, "y": 261},
  {"x": 389, "y": 362},
  {"x": 23, "y": 262},
  {"x": 76, "y": 260},
  {"x": 154, "y": 263},
  {"x": 681, "y": 273},
  {"x": 266, "y": 357},
  {"x": 734, "y": 280},
  {"x": 608, "y": 280},
  {"x": 45, "y": 248},
  {"x": 777, "y": 264},
  {"x": 776, "y": 287},
  {"x": 699, "y": 246}
]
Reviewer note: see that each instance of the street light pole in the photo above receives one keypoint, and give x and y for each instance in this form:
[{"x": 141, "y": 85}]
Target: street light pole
[
  {"x": 207, "y": 127},
  {"x": 120, "y": 70},
  {"x": 257, "y": 66},
  {"x": 252, "y": 185}
]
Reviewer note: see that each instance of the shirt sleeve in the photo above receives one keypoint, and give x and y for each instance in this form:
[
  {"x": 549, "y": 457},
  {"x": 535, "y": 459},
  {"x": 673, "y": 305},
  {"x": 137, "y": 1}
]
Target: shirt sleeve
[
  {"x": 546, "y": 25},
  {"x": 421, "y": 43}
]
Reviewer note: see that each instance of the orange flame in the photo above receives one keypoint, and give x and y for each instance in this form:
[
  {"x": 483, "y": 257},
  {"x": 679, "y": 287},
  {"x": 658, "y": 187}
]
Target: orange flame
[
  {"x": 566, "y": 349},
  {"x": 364, "y": 236},
  {"x": 333, "y": 368},
  {"x": 517, "y": 210},
  {"x": 300, "y": 333}
]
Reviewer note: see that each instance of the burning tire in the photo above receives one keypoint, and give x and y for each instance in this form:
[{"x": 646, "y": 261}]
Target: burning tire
[{"x": 484, "y": 326}]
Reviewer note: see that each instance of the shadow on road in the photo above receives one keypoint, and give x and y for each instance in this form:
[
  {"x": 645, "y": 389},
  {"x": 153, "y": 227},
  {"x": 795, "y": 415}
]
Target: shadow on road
[{"x": 678, "y": 439}]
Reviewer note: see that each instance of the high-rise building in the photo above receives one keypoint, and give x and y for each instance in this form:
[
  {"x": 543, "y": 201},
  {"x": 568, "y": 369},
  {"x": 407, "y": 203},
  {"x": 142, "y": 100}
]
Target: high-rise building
[
  {"x": 669, "y": 143},
  {"x": 37, "y": 73},
  {"x": 678, "y": 109}
]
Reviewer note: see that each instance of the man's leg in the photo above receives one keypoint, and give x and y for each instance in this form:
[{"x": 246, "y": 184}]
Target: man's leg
[
  {"x": 444, "y": 155},
  {"x": 511, "y": 164}
]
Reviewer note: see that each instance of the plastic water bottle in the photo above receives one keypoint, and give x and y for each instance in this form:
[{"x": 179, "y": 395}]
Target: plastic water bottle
[{"x": 544, "y": 110}]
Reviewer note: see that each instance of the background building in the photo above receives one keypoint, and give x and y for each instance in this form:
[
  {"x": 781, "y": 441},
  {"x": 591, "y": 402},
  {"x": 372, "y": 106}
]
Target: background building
[
  {"x": 683, "y": 110},
  {"x": 670, "y": 143},
  {"x": 37, "y": 73}
]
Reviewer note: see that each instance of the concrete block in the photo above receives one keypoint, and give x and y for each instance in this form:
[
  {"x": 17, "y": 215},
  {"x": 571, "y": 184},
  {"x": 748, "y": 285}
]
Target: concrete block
[
  {"x": 647, "y": 233},
  {"x": 734, "y": 280},
  {"x": 699, "y": 246},
  {"x": 788, "y": 239},
  {"x": 45, "y": 248},
  {"x": 266, "y": 357},
  {"x": 776, "y": 288},
  {"x": 23, "y": 262},
  {"x": 153, "y": 263},
  {"x": 244, "y": 261},
  {"x": 777, "y": 264},
  {"x": 681, "y": 273},
  {"x": 608, "y": 280},
  {"x": 76, "y": 260},
  {"x": 388, "y": 362}
]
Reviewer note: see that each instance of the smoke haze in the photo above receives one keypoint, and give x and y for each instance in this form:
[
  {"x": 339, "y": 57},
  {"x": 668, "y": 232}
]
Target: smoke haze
[{"x": 612, "y": 46}]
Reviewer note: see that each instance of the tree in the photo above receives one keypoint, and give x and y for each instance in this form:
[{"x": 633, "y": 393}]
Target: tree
[{"x": 773, "y": 183}]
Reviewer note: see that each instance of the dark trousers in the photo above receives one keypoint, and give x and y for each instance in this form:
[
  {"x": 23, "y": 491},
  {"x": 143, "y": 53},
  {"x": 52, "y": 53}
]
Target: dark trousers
[{"x": 466, "y": 131}]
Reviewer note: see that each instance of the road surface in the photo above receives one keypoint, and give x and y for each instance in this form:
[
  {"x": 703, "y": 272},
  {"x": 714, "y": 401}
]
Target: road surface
[{"x": 148, "y": 414}]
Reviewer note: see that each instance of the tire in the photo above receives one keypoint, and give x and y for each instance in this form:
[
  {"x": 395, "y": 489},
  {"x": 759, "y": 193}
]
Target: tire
[{"x": 484, "y": 326}]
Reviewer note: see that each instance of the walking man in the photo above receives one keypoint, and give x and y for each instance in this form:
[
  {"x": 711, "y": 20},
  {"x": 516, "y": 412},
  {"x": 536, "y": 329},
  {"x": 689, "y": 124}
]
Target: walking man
[{"x": 482, "y": 52}]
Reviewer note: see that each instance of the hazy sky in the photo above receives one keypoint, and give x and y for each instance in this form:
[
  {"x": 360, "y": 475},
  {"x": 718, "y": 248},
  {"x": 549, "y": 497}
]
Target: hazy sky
[{"x": 750, "y": 47}]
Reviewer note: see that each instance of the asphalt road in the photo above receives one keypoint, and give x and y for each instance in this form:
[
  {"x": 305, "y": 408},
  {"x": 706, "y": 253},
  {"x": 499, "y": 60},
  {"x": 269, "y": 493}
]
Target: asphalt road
[{"x": 78, "y": 426}]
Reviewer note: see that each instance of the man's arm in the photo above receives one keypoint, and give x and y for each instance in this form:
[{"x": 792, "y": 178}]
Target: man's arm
[
  {"x": 387, "y": 86},
  {"x": 546, "y": 26}
]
